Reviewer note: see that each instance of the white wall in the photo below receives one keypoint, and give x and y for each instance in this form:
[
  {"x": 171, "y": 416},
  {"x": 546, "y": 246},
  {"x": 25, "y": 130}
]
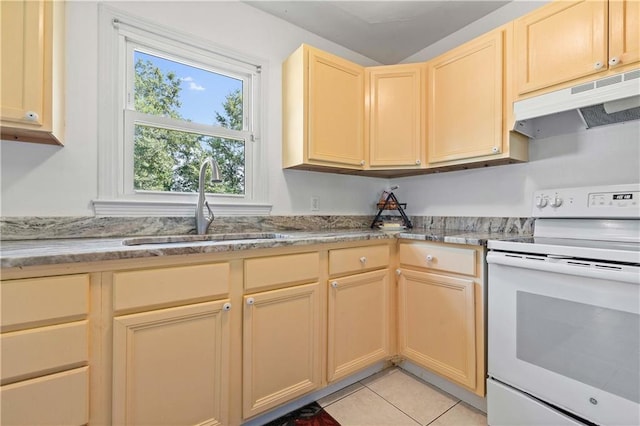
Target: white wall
[
  {"x": 599, "y": 156},
  {"x": 40, "y": 180}
]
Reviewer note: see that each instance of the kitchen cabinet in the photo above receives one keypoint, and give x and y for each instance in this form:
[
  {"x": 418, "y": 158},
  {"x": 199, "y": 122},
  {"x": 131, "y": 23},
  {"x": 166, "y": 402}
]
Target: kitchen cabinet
[
  {"x": 45, "y": 351},
  {"x": 567, "y": 42},
  {"x": 282, "y": 348},
  {"x": 161, "y": 355},
  {"x": 441, "y": 314},
  {"x": 395, "y": 116},
  {"x": 323, "y": 111},
  {"x": 469, "y": 109},
  {"x": 32, "y": 70},
  {"x": 358, "y": 309}
]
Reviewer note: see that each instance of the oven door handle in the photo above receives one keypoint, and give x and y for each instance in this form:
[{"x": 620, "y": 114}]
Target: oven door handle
[{"x": 600, "y": 270}]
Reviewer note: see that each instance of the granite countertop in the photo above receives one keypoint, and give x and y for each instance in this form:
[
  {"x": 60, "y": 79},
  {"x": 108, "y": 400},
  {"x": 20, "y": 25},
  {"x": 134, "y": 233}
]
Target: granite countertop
[{"x": 23, "y": 253}]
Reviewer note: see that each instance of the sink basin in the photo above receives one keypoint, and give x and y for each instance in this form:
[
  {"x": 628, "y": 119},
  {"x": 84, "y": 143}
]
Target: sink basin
[{"x": 169, "y": 239}]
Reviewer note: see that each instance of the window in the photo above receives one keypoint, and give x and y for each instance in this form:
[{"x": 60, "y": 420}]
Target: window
[{"x": 171, "y": 101}]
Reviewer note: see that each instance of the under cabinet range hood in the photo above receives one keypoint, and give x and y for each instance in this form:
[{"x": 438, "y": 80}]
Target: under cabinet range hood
[{"x": 609, "y": 100}]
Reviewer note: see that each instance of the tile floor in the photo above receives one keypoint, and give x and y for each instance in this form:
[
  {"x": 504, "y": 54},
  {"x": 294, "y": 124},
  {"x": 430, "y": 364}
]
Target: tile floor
[{"x": 394, "y": 397}]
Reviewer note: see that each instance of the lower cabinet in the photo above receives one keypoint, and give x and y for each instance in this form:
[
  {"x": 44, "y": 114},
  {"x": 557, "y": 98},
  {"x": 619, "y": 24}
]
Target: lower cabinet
[
  {"x": 171, "y": 366},
  {"x": 358, "y": 322},
  {"x": 281, "y": 346},
  {"x": 441, "y": 314},
  {"x": 45, "y": 351}
]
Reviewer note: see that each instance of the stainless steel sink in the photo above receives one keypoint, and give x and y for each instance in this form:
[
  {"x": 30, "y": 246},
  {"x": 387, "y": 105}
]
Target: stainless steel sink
[{"x": 173, "y": 239}]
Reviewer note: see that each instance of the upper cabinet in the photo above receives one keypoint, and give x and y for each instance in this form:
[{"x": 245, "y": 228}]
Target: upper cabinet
[
  {"x": 395, "y": 117},
  {"x": 571, "y": 40},
  {"x": 323, "y": 111},
  {"x": 469, "y": 108},
  {"x": 32, "y": 69}
]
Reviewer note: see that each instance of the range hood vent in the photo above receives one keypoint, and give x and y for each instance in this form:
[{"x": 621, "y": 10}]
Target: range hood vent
[{"x": 610, "y": 100}]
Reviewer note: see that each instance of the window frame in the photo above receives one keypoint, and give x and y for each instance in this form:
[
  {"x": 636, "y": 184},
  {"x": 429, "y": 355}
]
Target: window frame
[{"x": 120, "y": 35}]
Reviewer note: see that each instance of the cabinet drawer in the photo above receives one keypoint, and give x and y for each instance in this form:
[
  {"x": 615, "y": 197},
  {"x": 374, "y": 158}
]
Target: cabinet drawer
[
  {"x": 38, "y": 351},
  {"x": 277, "y": 270},
  {"x": 439, "y": 257},
  {"x": 58, "y": 399},
  {"x": 164, "y": 286},
  {"x": 357, "y": 259},
  {"x": 40, "y": 301}
]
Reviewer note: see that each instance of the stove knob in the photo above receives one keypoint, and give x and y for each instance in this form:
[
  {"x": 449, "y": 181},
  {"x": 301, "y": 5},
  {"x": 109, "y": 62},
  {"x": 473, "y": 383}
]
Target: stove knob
[
  {"x": 541, "y": 202},
  {"x": 556, "y": 202}
]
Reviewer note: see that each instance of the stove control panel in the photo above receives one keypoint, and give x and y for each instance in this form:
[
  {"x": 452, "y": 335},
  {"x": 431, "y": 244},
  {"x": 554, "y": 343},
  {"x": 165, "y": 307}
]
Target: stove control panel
[{"x": 614, "y": 201}]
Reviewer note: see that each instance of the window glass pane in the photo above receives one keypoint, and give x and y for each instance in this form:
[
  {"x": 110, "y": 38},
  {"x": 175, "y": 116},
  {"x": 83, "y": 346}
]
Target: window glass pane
[
  {"x": 172, "y": 89},
  {"x": 169, "y": 160}
]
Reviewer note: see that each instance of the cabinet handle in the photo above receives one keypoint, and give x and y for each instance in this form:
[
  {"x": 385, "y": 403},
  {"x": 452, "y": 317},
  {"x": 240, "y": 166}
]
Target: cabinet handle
[
  {"x": 226, "y": 306},
  {"x": 362, "y": 162},
  {"x": 598, "y": 65},
  {"x": 398, "y": 272},
  {"x": 614, "y": 60},
  {"x": 31, "y": 116},
  {"x": 251, "y": 301},
  {"x": 334, "y": 284},
  {"x": 418, "y": 162},
  {"x": 495, "y": 150},
  {"x": 429, "y": 258},
  {"x": 363, "y": 260}
]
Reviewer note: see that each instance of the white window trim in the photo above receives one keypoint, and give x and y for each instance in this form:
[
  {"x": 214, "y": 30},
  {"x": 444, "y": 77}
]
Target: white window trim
[{"x": 113, "y": 197}]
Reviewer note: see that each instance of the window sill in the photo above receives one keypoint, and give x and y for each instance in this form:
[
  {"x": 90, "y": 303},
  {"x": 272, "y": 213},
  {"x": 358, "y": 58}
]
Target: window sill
[{"x": 170, "y": 209}]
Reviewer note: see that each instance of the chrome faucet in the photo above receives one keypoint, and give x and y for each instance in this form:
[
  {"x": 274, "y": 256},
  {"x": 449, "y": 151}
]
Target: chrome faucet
[{"x": 203, "y": 221}]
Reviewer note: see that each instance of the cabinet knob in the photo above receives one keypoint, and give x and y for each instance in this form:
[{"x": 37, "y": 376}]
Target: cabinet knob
[
  {"x": 31, "y": 116},
  {"x": 251, "y": 301},
  {"x": 598, "y": 65},
  {"x": 362, "y": 162},
  {"x": 418, "y": 162},
  {"x": 334, "y": 284},
  {"x": 398, "y": 272},
  {"x": 226, "y": 306},
  {"x": 614, "y": 60},
  {"x": 363, "y": 260},
  {"x": 495, "y": 150},
  {"x": 429, "y": 258}
]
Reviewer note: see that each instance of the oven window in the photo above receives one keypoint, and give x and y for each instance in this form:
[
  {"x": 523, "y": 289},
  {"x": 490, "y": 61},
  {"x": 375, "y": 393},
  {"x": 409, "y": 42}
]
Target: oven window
[{"x": 594, "y": 345}]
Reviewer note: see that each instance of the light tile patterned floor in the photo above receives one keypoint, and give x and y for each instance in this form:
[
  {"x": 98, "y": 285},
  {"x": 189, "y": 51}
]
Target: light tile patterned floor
[{"x": 394, "y": 397}]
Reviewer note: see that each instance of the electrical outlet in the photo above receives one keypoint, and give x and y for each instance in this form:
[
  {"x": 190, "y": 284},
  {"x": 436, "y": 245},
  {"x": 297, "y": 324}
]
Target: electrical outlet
[{"x": 315, "y": 204}]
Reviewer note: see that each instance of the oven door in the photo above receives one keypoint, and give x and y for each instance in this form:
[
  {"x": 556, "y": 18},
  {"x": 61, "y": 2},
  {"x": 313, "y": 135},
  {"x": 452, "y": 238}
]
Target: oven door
[{"x": 567, "y": 332}]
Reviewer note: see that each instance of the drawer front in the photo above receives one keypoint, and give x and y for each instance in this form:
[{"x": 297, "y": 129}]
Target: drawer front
[
  {"x": 358, "y": 259},
  {"x": 58, "y": 399},
  {"x": 166, "y": 286},
  {"x": 41, "y": 301},
  {"x": 38, "y": 351},
  {"x": 281, "y": 270},
  {"x": 439, "y": 257}
]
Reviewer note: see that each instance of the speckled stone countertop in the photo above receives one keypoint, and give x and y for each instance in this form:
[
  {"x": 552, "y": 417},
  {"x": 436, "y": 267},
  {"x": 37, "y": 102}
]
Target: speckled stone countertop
[{"x": 23, "y": 253}]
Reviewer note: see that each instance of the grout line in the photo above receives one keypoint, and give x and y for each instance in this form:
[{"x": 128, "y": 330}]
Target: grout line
[{"x": 445, "y": 412}]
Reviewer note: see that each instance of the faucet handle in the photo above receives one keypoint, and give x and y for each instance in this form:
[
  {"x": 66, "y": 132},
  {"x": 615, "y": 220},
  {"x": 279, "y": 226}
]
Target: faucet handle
[{"x": 210, "y": 213}]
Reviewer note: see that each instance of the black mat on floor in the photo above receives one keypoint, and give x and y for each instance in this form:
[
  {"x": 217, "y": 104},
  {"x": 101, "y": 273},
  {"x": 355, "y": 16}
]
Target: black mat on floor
[{"x": 309, "y": 415}]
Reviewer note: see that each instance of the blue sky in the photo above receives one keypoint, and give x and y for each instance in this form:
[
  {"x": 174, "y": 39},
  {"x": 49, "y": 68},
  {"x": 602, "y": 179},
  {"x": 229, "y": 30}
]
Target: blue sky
[{"x": 203, "y": 92}]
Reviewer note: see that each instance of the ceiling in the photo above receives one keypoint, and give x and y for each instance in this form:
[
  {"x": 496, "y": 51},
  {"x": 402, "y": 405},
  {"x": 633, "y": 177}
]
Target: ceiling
[{"x": 385, "y": 31}]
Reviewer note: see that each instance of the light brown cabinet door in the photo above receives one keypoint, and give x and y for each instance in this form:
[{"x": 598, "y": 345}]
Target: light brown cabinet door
[
  {"x": 336, "y": 110},
  {"x": 171, "y": 366},
  {"x": 358, "y": 322},
  {"x": 563, "y": 41},
  {"x": 395, "y": 115},
  {"x": 281, "y": 346},
  {"x": 31, "y": 70},
  {"x": 437, "y": 324},
  {"x": 465, "y": 100},
  {"x": 624, "y": 32}
]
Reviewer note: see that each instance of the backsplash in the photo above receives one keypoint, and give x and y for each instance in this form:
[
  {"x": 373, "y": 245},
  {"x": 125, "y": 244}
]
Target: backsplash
[{"x": 34, "y": 228}]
